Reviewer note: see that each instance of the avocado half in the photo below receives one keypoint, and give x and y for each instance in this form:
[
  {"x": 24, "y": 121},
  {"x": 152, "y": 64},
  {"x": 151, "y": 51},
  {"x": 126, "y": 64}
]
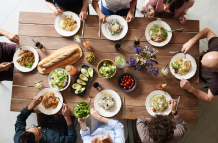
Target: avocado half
[
  {"x": 90, "y": 71},
  {"x": 76, "y": 86},
  {"x": 83, "y": 77},
  {"x": 79, "y": 81},
  {"x": 78, "y": 91},
  {"x": 84, "y": 71}
]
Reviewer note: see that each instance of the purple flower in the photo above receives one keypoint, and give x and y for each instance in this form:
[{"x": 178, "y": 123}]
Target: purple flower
[{"x": 137, "y": 49}]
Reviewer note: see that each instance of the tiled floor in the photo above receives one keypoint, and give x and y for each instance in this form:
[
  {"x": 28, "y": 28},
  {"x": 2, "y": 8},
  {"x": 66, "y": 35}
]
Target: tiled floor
[{"x": 204, "y": 10}]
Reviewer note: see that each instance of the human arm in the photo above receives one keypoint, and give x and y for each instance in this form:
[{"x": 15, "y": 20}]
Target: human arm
[
  {"x": 130, "y": 16},
  {"x": 149, "y": 8},
  {"x": 206, "y": 33},
  {"x": 101, "y": 16},
  {"x": 182, "y": 19},
  {"x": 83, "y": 13},
  {"x": 53, "y": 8},
  {"x": 141, "y": 126},
  {"x": 206, "y": 97},
  {"x": 5, "y": 66},
  {"x": 12, "y": 37}
]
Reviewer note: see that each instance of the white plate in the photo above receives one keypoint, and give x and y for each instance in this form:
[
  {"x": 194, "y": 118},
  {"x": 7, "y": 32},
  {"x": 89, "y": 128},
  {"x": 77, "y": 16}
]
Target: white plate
[
  {"x": 23, "y": 69},
  {"x": 148, "y": 32},
  {"x": 69, "y": 79},
  {"x": 147, "y": 102},
  {"x": 108, "y": 113},
  {"x": 191, "y": 72},
  {"x": 64, "y": 32},
  {"x": 50, "y": 111},
  {"x": 107, "y": 33}
]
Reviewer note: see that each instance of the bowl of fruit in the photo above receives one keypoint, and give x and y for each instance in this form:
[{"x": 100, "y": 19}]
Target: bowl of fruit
[{"x": 127, "y": 82}]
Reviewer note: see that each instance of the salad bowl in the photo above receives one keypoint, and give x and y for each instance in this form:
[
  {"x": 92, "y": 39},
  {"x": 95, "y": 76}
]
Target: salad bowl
[
  {"x": 56, "y": 79},
  {"x": 106, "y": 68},
  {"x": 83, "y": 114}
]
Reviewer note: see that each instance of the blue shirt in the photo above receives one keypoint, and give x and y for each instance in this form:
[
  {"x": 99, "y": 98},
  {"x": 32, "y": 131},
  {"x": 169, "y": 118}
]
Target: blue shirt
[
  {"x": 114, "y": 128},
  {"x": 68, "y": 4},
  {"x": 53, "y": 132}
]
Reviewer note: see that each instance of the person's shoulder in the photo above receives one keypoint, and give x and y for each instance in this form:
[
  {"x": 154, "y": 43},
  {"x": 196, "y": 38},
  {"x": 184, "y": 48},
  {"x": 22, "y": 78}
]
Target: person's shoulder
[{"x": 213, "y": 44}]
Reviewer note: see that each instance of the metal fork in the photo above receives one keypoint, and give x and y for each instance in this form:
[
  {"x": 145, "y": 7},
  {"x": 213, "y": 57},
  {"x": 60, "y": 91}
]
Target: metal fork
[
  {"x": 167, "y": 101},
  {"x": 90, "y": 97},
  {"x": 145, "y": 13},
  {"x": 99, "y": 31},
  {"x": 59, "y": 100}
]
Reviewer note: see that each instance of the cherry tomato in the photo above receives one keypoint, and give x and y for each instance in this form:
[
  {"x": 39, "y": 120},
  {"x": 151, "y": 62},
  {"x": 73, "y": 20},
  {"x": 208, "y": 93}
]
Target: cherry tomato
[
  {"x": 127, "y": 83},
  {"x": 151, "y": 38},
  {"x": 158, "y": 41},
  {"x": 125, "y": 88},
  {"x": 121, "y": 84},
  {"x": 75, "y": 21},
  {"x": 153, "y": 110},
  {"x": 129, "y": 87},
  {"x": 130, "y": 77},
  {"x": 123, "y": 81},
  {"x": 133, "y": 80}
]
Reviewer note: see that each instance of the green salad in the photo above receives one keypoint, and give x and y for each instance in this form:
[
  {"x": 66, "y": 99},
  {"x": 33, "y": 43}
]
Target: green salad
[
  {"x": 81, "y": 110},
  {"x": 156, "y": 103},
  {"x": 158, "y": 34},
  {"x": 59, "y": 79},
  {"x": 107, "y": 69},
  {"x": 176, "y": 66}
]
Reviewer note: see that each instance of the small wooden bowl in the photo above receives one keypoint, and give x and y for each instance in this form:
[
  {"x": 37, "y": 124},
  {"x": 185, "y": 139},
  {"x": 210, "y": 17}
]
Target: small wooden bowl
[{"x": 111, "y": 62}]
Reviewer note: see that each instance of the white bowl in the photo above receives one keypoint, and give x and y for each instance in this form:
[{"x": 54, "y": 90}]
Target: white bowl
[{"x": 69, "y": 79}]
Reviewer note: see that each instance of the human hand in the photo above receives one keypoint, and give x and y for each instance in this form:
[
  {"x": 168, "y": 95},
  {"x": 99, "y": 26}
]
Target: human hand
[
  {"x": 182, "y": 20},
  {"x": 13, "y": 37},
  {"x": 150, "y": 14},
  {"x": 184, "y": 84},
  {"x": 102, "y": 18},
  {"x": 83, "y": 15},
  {"x": 82, "y": 121},
  {"x": 36, "y": 101},
  {"x": 172, "y": 104},
  {"x": 57, "y": 11},
  {"x": 187, "y": 46},
  {"x": 130, "y": 17},
  {"x": 65, "y": 110},
  {"x": 5, "y": 66},
  {"x": 95, "y": 114}
]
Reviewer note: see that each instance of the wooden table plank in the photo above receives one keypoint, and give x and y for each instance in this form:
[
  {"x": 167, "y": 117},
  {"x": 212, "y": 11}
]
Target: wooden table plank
[
  {"x": 191, "y": 116},
  {"x": 93, "y": 21},
  {"x": 49, "y": 31}
]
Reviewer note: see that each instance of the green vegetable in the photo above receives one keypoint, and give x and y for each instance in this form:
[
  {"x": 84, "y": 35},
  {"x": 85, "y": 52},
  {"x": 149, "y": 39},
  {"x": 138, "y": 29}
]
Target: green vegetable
[
  {"x": 83, "y": 77},
  {"x": 159, "y": 34},
  {"x": 59, "y": 79},
  {"x": 77, "y": 38},
  {"x": 78, "y": 91},
  {"x": 79, "y": 81},
  {"x": 90, "y": 71},
  {"x": 156, "y": 103},
  {"x": 107, "y": 69},
  {"x": 81, "y": 110},
  {"x": 119, "y": 60},
  {"x": 84, "y": 71},
  {"x": 76, "y": 86}
]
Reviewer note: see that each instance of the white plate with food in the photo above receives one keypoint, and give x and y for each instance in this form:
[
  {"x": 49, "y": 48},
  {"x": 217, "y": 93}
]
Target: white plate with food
[
  {"x": 25, "y": 59},
  {"x": 115, "y": 29},
  {"x": 156, "y": 33},
  {"x": 154, "y": 105},
  {"x": 107, "y": 103},
  {"x": 50, "y": 103},
  {"x": 67, "y": 24},
  {"x": 183, "y": 68},
  {"x": 59, "y": 79}
]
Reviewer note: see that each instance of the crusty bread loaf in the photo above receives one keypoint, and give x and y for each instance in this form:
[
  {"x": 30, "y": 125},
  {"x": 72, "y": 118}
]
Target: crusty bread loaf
[
  {"x": 58, "y": 59},
  {"x": 56, "y": 54},
  {"x": 64, "y": 62}
]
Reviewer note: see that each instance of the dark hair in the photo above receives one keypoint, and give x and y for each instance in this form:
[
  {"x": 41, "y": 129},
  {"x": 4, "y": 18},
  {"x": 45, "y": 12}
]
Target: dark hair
[
  {"x": 27, "y": 137},
  {"x": 160, "y": 129},
  {"x": 175, "y": 4}
]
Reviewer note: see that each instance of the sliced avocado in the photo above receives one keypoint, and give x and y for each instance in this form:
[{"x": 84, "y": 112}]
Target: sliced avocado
[
  {"x": 90, "y": 71},
  {"x": 81, "y": 82},
  {"x": 84, "y": 71},
  {"x": 76, "y": 86},
  {"x": 83, "y": 77},
  {"x": 78, "y": 91}
]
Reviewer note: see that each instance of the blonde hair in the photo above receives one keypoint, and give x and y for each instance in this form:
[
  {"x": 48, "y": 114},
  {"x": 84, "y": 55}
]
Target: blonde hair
[{"x": 102, "y": 140}]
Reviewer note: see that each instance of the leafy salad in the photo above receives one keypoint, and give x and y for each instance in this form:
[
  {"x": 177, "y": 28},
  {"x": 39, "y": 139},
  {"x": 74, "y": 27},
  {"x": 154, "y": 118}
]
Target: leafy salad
[
  {"x": 176, "y": 66},
  {"x": 107, "y": 69},
  {"x": 81, "y": 110},
  {"x": 156, "y": 103},
  {"x": 159, "y": 34},
  {"x": 59, "y": 79}
]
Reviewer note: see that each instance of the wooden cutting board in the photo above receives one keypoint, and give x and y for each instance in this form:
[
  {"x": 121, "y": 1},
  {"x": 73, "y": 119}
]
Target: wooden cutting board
[{"x": 39, "y": 68}]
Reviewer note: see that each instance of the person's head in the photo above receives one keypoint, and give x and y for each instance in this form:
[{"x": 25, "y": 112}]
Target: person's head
[
  {"x": 31, "y": 135},
  {"x": 102, "y": 140},
  {"x": 160, "y": 128},
  {"x": 171, "y": 5},
  {"x": 210, "y": 61}
]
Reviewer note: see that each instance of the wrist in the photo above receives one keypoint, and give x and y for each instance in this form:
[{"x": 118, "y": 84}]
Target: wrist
[
  {"x": 191, "y": 89},
  {"x": 31, "y": 107}
]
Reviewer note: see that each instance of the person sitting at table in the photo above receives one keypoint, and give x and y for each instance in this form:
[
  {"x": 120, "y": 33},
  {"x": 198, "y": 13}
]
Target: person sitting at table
[
  {"x": 208, "y": 68},
  {"x": 50, "y": 129},
  {"x": 115, "y": 7},
  {"x": 167, "y": 9},
  {"x": 77, "y": 6},
  {"x": 7, "y": 51},
  {"x": 160, "y": 128},
  {"x": 104, "y": 131}
]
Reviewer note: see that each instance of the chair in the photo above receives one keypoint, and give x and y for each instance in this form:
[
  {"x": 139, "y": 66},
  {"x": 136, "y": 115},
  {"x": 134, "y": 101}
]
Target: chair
[{"x": 135, "y": 133}]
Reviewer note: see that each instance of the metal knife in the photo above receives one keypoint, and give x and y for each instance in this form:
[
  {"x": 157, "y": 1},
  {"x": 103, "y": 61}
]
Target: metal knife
[
  {"x": 177, "y": 103},
  {"x": 83, "y": 27},
  {"x": 123, "y": 105},
  {"x": 99, "y": 31}
]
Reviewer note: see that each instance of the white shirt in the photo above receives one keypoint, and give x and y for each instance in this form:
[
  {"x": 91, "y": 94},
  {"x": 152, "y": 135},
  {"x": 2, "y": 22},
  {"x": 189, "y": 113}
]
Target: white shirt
[{"x": 116, "y": 5}]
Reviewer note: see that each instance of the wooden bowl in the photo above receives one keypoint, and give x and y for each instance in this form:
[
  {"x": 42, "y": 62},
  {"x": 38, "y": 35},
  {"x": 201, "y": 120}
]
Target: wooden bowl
[{"x": 111, "y": 62}]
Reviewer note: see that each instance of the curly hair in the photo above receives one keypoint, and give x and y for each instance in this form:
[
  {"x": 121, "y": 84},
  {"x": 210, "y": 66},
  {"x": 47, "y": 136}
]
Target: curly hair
[
  {"x": 27, "y": 137},
  {"x": 160, "y": 129},
  {"x": 175, "y": 4}
]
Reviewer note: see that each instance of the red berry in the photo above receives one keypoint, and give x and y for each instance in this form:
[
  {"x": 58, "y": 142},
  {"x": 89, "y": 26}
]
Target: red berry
[
  {"x": 75, "y": 21},
  {"x": 121, "y": 84},
  {"x": 125, "y": 88},
  {"x": 153, "y": 110},
  {"x": 151, "y": 38}
]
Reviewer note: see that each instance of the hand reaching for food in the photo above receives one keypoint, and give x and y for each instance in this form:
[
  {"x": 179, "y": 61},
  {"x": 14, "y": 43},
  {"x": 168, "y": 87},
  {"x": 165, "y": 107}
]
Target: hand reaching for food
[
  {"x": 184, "y": 84},
  {"x": 36, "y": 101},
  {"x": 187, "y": 46},
  {"x": 5, "y": 66},
  {"x": 150, "y": 14},
  {"x": 83, "y": 15},
  {"x": 172, "y": 105},
  {"x": 82, "y": 121},
  {"x": 13, "y": 37},
  {"x": 65, "y": 110},
  {"x": 182, "y": 20},
  {"x": 129, "y": 17},
  {"x": 95, "y": 114},
  {"x": 102, "y": 18},
  {"x": 57, "y": 11}
]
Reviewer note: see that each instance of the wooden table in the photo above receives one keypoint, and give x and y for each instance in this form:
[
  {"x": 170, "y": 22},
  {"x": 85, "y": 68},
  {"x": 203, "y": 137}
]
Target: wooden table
[{"x": 40, "y": 27}]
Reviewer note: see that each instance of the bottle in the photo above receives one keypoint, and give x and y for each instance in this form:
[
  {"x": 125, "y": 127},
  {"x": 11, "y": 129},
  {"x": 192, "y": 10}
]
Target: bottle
[
  {"x": 118, "y": 47},
  {"x": 40, "y": 46},
  {"x": 87, "y": 45},
  {"x": 71, "y": 70}
]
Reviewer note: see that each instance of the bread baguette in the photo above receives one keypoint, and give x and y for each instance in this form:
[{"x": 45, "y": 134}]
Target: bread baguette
[
  {"x": 58, "y": 59},
  {"x": 64, "y": 62},
  {"x": 56, "y": 54}
]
